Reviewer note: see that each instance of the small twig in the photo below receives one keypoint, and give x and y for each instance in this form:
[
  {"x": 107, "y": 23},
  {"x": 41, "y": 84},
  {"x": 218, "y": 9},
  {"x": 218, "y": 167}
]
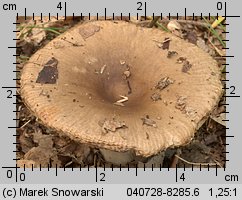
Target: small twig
[
  {"x": 218, "y": 163},
  {"x": 103, "y": 68},
  {"x": 153, "y": 22},
  {"x": 121, "y": 101},
  {"x": 129, "y": 87},
  {"x": 74, "y": 44},
  {"x": 162, "y": 42},
  {"x": 18, "y": 115},
  {"x": 175, "y": 159},
  {"x": 118, "y": 104},
  {"x": 124, "y": 99},
  {"x": 25, "y": 124},
  {"x": 221, "y": 53},
  {"x": 95, "y": 160},
  {"x": 193, "y": 163}
]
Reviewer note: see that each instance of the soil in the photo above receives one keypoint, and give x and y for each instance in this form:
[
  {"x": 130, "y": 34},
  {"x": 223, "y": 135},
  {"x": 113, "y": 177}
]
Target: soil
[{"x": 39, "y": 144}]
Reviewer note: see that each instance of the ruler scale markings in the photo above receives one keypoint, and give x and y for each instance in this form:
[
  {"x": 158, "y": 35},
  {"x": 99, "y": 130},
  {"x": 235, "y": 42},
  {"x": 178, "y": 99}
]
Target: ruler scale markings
[
  {"x": 65, "y": 11},
  {"x": 121, "y": 19},
  {"x": 176, "y": 173},
  {"x": 96, "y": 172},
  {"x": 145, "y": 10},
  {"x": 16, "y": 173}
]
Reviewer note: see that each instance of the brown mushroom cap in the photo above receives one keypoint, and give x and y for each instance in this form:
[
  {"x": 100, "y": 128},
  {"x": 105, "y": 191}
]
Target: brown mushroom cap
[{"x": 87, "y": 67}]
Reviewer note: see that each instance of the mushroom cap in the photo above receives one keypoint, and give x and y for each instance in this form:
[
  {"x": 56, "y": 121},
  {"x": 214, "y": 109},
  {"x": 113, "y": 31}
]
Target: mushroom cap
[{"x": 169, "y": 97}]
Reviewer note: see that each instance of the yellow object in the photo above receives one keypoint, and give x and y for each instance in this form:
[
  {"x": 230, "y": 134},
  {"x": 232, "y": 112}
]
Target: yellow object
[{"x": 217, "y": 21}]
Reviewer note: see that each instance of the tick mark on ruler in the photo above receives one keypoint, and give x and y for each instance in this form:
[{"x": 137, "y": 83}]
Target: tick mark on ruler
[{"x": 176, "y": 172}]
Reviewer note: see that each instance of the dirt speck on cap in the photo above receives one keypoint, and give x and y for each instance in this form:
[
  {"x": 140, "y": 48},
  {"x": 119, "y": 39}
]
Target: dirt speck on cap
[
  {"x": 163, "y": 83},
  {"x": 166, "y": 43},
  {"x": 181, "y": 103},
  {"x": 171, "y": 54},
  {"x": 111, "y": 125},
  {"x": 181, "y": 59},
  {"x": 149, "y": 122},
  {"x": 186, "y": 66},
  {"x": 156, "y": 96}
]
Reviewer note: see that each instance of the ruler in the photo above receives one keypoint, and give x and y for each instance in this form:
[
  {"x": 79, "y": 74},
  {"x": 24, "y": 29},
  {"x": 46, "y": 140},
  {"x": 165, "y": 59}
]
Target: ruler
[{"x": 121, "y": 183}]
